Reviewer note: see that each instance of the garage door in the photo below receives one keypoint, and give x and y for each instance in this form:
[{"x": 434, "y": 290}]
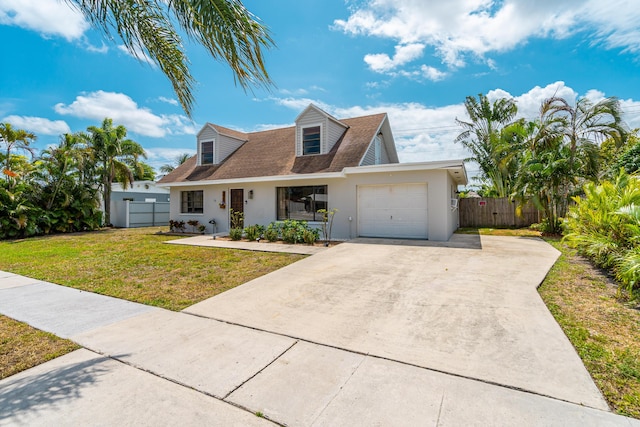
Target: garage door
[{"x": 398, "y": 210}]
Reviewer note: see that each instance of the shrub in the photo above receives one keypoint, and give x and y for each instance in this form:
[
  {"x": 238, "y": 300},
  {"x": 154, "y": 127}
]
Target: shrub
[
  {"x": 310, "y": 236},
  {"x": 235, "y": 233},
  {"x": 272, "y": 233},
  {"x": 605, "y": 226},
  {"x": 254, "y": 232}
]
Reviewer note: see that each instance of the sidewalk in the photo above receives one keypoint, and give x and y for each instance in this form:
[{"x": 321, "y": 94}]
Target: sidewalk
[{"x": 148, "y": 366}]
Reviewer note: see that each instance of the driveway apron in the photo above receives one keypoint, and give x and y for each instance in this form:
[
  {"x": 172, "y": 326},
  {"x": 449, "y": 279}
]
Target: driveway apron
[{"x": 469, "y": 307}]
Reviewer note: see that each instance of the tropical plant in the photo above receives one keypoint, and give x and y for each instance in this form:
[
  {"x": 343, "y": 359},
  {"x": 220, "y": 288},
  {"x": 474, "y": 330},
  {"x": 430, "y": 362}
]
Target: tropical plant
[
  {"x": 254, "y": 232},
  {"x": 112, "y": 154},
  {"x": 605, "y": 226},
  {"x": 226, "y": 29},
  {"x": 561, "y": 152},
  {"x": 14, "y": 139},
  {"x": 272, "y": 232},
  {"x": 629, "y": 159},
  {"x": 237, "y": 218},
  {"x": 235, "y": 233},
  {"x": 492, "y": 135},
  {"x": 327, "y": 223},
  {"x": 170, "y": 167}
]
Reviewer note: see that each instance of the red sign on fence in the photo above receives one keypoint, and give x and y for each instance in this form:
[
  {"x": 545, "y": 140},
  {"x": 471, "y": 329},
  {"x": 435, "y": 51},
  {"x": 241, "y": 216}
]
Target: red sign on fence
[{"x": 482, "y": 203}]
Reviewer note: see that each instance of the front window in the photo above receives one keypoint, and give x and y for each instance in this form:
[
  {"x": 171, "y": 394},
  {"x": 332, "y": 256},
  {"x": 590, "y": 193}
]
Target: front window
[
  {"x": 192, "y": 201},
  {"x": 311, "y": 140},
  {"x": 301, "y": 203},
  {"x": 206, "y": 153}
]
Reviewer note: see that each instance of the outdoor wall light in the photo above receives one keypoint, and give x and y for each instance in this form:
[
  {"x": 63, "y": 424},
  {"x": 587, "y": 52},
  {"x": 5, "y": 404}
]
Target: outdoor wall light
[{"x": 251, "y": 194}]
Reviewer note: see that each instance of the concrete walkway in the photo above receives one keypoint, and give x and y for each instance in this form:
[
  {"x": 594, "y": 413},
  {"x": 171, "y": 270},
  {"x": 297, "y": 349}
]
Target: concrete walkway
[
  {"x": 320, "y": 342},
  {"x": 209, "y": 241}
]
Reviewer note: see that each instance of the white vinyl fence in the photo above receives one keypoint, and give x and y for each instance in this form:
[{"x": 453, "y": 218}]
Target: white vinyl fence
[{"x": 128, "y": 214}]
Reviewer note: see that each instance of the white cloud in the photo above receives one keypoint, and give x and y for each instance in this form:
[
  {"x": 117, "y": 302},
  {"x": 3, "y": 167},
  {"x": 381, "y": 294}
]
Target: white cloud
[
  {"x": 48, "y": 17},
  {"x": 124, "y": 110},
  {"x": 168, "y": 100},
  {"x": 459, "y": 28},
  {"x": 382, "y": 63},
  {"x": 426, "y": 133},
  {"x": 38, "y": 125}
]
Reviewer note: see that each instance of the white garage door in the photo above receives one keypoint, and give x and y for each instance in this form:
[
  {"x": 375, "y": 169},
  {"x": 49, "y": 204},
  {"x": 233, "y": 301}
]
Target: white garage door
[{"x": 398, "y": 210}]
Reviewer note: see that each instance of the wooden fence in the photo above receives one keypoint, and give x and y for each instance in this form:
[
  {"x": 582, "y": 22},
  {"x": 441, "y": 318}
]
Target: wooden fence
[{"x": 496, "y": 213}]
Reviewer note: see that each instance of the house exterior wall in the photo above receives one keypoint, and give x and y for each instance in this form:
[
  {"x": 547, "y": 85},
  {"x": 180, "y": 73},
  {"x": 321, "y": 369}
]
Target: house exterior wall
[{"x": 342, "y": 194}]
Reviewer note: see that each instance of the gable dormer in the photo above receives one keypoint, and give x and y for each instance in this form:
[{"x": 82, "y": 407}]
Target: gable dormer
[
  {"x": 317, "y": 132},
  {"x": 216, "y": 143},
  {"x": 382, "y": 148}
]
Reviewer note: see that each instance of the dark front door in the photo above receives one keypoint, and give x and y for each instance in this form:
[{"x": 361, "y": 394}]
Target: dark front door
[{"x": 237, "y": 204}]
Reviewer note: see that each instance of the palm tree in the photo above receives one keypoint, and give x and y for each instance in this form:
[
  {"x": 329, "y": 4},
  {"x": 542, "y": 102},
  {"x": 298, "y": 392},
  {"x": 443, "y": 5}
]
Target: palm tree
[
  {"x": 111, "y": 153},
  {"x": 180, "y": 159},
  {"x": 15, "y": 139},
  {"x": 562, "y": 152},
  {"x": 490, "y": 135},
  {"x": 227, "y": 30}
]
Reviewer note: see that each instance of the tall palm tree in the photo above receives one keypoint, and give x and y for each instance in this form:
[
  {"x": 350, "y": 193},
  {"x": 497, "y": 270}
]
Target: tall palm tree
[
  {"x": 227, "y": 30},
  {"x": 562, "y": 152},
  {"x": 112, "y": 154},
  {"x": 15, "y": 139},
  {"x": 170, "y": 167},
  {"x": 490, "y": 135}
]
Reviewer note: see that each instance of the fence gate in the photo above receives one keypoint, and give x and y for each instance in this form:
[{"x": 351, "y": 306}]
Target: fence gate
[{"x": 496, "y": 213}]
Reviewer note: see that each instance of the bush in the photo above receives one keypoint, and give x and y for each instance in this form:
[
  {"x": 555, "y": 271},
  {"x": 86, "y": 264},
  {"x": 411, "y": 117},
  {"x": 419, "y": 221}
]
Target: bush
[
  {"x": 272, "y": 233},
  {"x": 235, "y": 233},
  {"x": 605, "y": 226},
  {"x": 254, "y": 232},
  {"x": 310, "y": 236}
]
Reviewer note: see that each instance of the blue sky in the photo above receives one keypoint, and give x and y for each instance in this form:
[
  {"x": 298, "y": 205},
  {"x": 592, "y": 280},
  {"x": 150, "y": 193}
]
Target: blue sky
[{"x": 417, "y": 60}]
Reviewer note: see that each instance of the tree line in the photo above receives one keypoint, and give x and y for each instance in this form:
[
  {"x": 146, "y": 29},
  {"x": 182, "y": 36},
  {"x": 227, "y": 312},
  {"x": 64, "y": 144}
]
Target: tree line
[
  {"x": 548, "y": 159},
  {"x": 63, "y": 189}
]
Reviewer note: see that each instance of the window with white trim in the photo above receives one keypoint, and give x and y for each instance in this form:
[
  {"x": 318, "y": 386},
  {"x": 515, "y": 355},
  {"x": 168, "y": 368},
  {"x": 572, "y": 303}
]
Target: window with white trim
[
  {"x": 301, "y": 203},
  {"x": 192, "y": 201},
  {"x": 311, "y": 140},
  {"x": 206, "y": 153}
]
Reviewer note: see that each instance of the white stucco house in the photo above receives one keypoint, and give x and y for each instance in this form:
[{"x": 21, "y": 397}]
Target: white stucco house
[{"x": 319, "y": 163}]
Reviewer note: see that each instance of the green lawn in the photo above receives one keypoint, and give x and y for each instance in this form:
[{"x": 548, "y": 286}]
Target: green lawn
[
  {"x": 22, "y": 347},
  {"x": 135, "y": 265},
  {"x": 600, "y": 323}
]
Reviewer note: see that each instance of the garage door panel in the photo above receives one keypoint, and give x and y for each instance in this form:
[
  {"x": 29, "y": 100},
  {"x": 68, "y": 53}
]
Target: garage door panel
[{"x": 398, "y": 210}]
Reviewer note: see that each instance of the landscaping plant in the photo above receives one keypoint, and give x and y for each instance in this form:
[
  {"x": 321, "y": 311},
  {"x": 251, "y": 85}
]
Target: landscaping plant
[
  {"x": 327, "y": 223},
  {"x": 605, "y": 226}
]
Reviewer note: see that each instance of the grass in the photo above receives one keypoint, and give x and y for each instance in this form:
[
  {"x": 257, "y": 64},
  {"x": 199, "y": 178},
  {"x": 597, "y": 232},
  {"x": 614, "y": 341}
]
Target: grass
[
  {"x": 133, "y": 264},
  {"x": 521, "y": 232},
  {"x": 22, "y": 347},
  {"x": 600, "y": 323}
]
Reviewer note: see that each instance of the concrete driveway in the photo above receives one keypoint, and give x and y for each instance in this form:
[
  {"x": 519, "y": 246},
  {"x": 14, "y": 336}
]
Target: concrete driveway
[
  {"x": 468, "y": 307},
  {"x": 365, "y": 333}
]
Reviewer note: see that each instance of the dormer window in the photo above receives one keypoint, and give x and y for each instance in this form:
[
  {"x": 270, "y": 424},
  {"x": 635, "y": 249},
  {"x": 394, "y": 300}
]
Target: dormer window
[
  {"x": 311, "y": 140},
  {"x": 206, "y": 153}
]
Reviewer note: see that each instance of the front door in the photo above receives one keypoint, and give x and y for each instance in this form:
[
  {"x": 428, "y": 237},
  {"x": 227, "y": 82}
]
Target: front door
[{"x": 237, "y": 205}]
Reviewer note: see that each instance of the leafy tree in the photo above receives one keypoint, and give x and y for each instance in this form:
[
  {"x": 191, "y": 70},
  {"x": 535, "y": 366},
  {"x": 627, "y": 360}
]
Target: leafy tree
[
  {"x": 629, "y": 160},
  {"x": 142, "y": 171},
  {"x": 491, "y": 135},
  {"x": 170, "y": 167},
  {"x": 226, "y": 29},
  {"x": 14, "y": 139},
  {"x": 562, "y": 152},
  {"x": 112, "y": 154}
]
